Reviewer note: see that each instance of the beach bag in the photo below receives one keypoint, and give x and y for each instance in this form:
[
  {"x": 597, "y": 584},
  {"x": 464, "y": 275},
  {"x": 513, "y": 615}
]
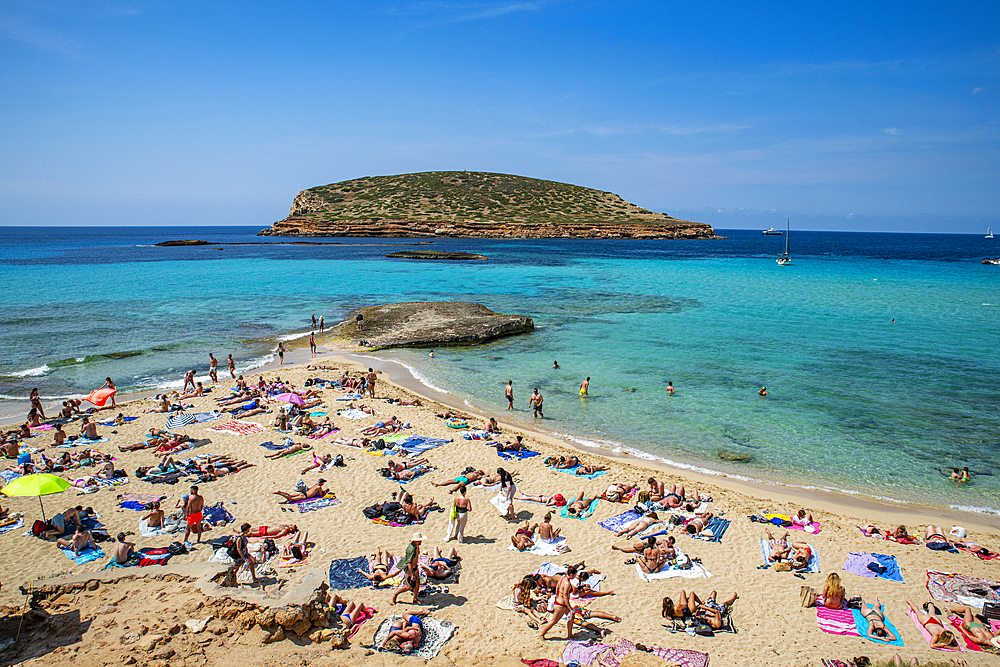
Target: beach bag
[
  {"x": 39, "y": 527},
  {"x": 703, "y": 629},
  {"x": 380, "y": 444},
  {"x": 809, "y": 596},
  {"x": 373, "y": 512},
  {"x": 232, "y": 550},
  {"x": 991, "y": 610},
  {"x": 176, "y": 548}
]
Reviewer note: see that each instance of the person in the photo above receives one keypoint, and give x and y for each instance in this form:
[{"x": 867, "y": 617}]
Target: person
[
  {"x": 110, "y": 385},
  {"x": 441, "y": 567},
  {"x": 555, "y": 364},
  {"x": 411, "y": 570},
  {"x": 240, "y": 553},
  {"x": 88, "y": 429},
  {"x": 461, "y": 480},
  {"x": 546, "y": 531},
  {"x": 585, "y": 387},
  {"x": 933, "y": 623},
  {"x": 406, "y": 474},
  {"x": 154, "y": 517},
  {"x": 370, "y": 379},
  {"x": 314, "y": 491},
  {"x": 802, "y": 519},
  {"x": 188, "y": 380},
  {"x": 407, "y": 633},
  {"x": 36, "y": 403},
  {"x": 319, "y": 462},
  {"x": 675, "y": 497},
  {"x": 536, "y": 403},
  {"x": 359, "y": 319},
  {"x": 635, "y": 527},
  {"x": 232, "y": 366},
  {"x": 524, "y": 537},
  {"x": 589, "y": 469},
  {"x": 291, "y": 449},
  {"x": 107, "y": 471},
  {"x": 833, "y": 593},
  {"x": 383, "y": 567},
  {"x": 580, "y": 505},
  {"x": 281, "y": 353},
  {"x": 312, "y": 343},
  {"x": 349, "y": 612},
  {"x": 978, "y": 632},
  {"x": 276, "y": 532},
  {"x": 491, "y": 426},
  {"x": 213, "y": 367},
  {"x": 505, "y": 498},
  {"x": 564, "y": 462},
  {"x": 762, "y": 391},
  {"x": 712, "y": 612},
  {"x": 670, "y": 388},
  {"x": 59, "y": 437},
  {"x": 877, "y": 629},
  {"x": 934, "y": 539},
  {"x": 656, "y": 489},
  {"x": 561, "y": 604},
  {"x": 552, "y": 501},
  {"x": 197, "y": 392},
  {"x": 684, "y": 608},
  {"x": 123, "y": 550},
  {"x": 963, "y": 477},
  {"x": 956, "y": 475},
  {"x": 322, "y": 327},
  {"x": 314, "y": 321},
  {"x": 80, "y": 541},
  {"x": 521, "y": 600},
  {"x": 58, "y": 523},
  {"x": 432, "y": 354},
  {"x": 459, "y": 516},
  {"x": 508, "y": 393},
  {"x": 192, "y": 511}
]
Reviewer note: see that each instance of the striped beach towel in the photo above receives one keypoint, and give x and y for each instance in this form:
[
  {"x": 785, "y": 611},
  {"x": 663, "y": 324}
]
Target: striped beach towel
[
  {"x": 836, "y": 621},
  {"x": 238, "y": 427}
]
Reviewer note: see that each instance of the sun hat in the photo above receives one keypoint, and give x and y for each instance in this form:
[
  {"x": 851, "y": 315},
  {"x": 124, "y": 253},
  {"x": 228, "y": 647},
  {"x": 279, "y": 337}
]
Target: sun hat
[
  {"x": 996, "y": 641},
  {"x": 559, "y": 498},
  {"x": 417, "y": 537}
]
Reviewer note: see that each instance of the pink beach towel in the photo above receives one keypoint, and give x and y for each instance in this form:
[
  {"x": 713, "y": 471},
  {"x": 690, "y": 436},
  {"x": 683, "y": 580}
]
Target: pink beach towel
[
  {"x": 836, "y": 621},
  {"x": 927, "y": 635},
  {"x": 238, "y": 427}
]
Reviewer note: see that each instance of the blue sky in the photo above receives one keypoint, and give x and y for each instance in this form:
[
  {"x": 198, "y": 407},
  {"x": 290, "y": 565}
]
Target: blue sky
[{"x": 852, "y": 116}]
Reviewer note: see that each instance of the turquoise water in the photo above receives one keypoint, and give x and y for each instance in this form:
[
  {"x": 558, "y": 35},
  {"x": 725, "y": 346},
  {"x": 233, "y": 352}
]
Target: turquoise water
[{"x": 856, "y": 402}]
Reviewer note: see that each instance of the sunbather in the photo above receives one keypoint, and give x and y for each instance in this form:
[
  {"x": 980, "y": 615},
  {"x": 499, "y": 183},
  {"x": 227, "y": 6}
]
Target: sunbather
[
  {"x": 405, "y": 465},
  {"x": 684, "y": 608},
  {"x": 522, "y": 602},
  {"x": 384, "y": 566},
  {"x": 348, "y": 612},
  {"x": 510, "y": 446},
  {"x": 934, "y": 623},
  {"x": 617, "y": 492},
  {"x": 106, "y": 471},
  {"x": 698, "y": 523},
  {"x": 407, "y": 633},
  {"x": 877, "y": 629},
  {"x": 382, "y": 428},
  {"x": 80, "y": 540},
  {"x": 635, "y": 527},
  {"x": 314, "y": 491},
  {"x": 297, "y": 447},
  {"x": 465, "y": 479},
  {"x": 524, "y": 537},
  {"x": 546, "y": 531},
  {"x": 579, "y": 505},
  {"x": 282, "y": 530},
  {"x": 448, "y": 414},
  {"x": 978, "y": 632},
  {"x": 441, "y": 567},
  {"x": 414, "y": 509},
  {"x": 407, "y": 475},
  {"x": 779, "y": 548},
  {"x": 589, "y": 469},
  {"x": 319, "y": 462},
  {"x": 675, "y": 497},
  {"x": 552, "y": 501},
  {"x": 363, "y": 443},
  {"x": 566, "y": 462},
  {"x": 711, "y": 611},
  {"x": 934, "y": 539},
  {"x": 977, "y": 549}
]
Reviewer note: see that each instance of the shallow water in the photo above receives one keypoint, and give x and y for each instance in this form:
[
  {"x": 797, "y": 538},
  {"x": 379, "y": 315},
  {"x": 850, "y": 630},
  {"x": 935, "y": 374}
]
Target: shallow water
[{"x": 856, "y": 403}]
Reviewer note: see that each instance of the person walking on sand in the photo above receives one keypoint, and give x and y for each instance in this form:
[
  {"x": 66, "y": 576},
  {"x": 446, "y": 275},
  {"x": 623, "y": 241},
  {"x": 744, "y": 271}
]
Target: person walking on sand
[
  {"x": 232, "y": 366},
  {"x": 459, "y": 516},
  {"x": 509, "y": 393},
  {"x": 561, "y": 605},
  {"x": 110, "y": 385},
  {"x": 312, "y": 343},
  {"x": 192, "y": 509},
  {"x": 370, "y": 379},
  {"x": 281, "y": 354},
  {"x": 585, "y": 387},
  {"x": 213, "y": 367},
  {"x": 536, "y": 403}
]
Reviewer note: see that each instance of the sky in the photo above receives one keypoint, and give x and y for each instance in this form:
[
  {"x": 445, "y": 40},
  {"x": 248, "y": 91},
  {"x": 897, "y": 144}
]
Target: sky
[{"x": 846, "y": 116}]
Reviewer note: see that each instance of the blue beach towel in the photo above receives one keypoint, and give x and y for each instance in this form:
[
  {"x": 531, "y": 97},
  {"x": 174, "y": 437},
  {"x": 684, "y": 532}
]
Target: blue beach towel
[
  {"x": 134, "y": 505},
  {"x": 344, "y": 574},
  {"x": 862, "y": 624},
  {"x": 718, "y": 527},
  {"x": 619, "y": 521},
  {"x": 583, "y": 516},
  {"x": 512, "y": 456},
  {"x": 316, "y": 504},
  {"x": 407, "y": 481},
  {"x": 9, "y": 476},
  {"x": 216, "y": 514},
  {"x": 572, "y": 471},
  {"x": 85, "y": 556},
  {"x": 270, "y": 445},
  {"x": 418, "y": 444}
]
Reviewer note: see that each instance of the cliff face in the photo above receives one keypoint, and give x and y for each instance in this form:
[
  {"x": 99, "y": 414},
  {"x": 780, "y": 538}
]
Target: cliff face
[{"x": 474, "y": 204}]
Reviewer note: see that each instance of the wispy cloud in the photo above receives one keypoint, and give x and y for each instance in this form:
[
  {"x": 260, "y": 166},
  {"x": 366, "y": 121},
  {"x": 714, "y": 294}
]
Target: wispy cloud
[
  {"x": 441, "y": 13},
  {"x": 891, "y": 130},
  {"x": 645, "y": 128},
  {"x": 19, "y": 30},
  {"x": 977, "y": 90}
]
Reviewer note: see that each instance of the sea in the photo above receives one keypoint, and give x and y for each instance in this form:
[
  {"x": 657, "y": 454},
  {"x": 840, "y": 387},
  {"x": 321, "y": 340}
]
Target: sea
[{"x": 878, "y": 351}]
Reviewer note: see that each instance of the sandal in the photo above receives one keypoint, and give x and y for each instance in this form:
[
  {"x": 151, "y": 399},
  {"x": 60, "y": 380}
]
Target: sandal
[{"x": 631, "y": 561}]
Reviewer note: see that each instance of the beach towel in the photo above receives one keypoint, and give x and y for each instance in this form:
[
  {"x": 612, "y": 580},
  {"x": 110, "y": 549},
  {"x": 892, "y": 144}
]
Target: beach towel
[
  {"x": 809, "y": 528},
  {"x": 518, "y": 455},
  {"x": 627, "y": 499},
  {"x": 962, "y": 589},
  {"x": 114, "y": 481},
  {"x": 167, "y": 528},
  {"x": 317, "y": 414},
  {"x": 418, "y": 444},
  {"x": 317, "y": 503},
  {"x": 436, "y": 635},
  {"x": 543, "y": 548},
  {"x": 237, "y": 427},
  {"x": 82, "y": 441},
  {"x": 216, "y": 514},
  {"x": 13, "y": 525},
  {"x": 861, "y": 563},
  {"x": 207, "y": 416},
  {"x": 765, "y": 550},
  {"x": 476, "y": 434},
  {"x": 99, "y": 396},
  {"x": 325, "y": 435},
  {"x": 366, "y": 614},
  {"x": 85, "y": 556},
  {"x": 271, "y": 446},
  {"x": 344, "y": 574},
  {"x": 456, "y": 572},
  {"x": 969, "y": 644},
  {"x": 581, "y": 653},
  {"x": 981, "y": 556},
  {"x": 111, "y": 422},
  {"x": 572, "y": 471},
  {"x": 718, "y": 526},
  {"x": 927, "y": 636},
  {"x": 681, "y": 656},
  {"x": 50, "y": 427},
  {"x": 668, "y": 571},
  {"x": 289, "y": 560},
  {"x": 418, "y": 476},
  {"x": 354, "y": 413},
  {"x": 836, "y": 621},
  {"x": 9, "y": 476},
  {"x": 584, "y": 515},
  {"x": 861, "y": 624}
]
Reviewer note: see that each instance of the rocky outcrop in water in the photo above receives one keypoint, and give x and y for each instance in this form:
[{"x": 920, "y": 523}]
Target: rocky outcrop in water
[{"x": 433, "y": 254}]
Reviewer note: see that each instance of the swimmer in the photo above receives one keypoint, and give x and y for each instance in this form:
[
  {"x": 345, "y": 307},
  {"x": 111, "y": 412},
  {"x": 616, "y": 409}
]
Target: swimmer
[
  {"x": 585, "y": 387},
  {"x": 762, "y": 391},
  {"x": 670, "y": 388}
]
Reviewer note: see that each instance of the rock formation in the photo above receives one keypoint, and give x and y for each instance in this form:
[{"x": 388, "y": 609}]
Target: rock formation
[{"x": 431, "y": 323}]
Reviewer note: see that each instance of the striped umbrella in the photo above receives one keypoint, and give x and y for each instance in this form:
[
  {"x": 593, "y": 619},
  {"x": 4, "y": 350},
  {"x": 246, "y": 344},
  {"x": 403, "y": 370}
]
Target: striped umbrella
[{"x": 180, "y": 420}]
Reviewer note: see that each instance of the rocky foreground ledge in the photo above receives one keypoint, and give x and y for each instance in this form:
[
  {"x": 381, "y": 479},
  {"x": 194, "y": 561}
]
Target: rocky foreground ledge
[{"x": 430, "y": 323}]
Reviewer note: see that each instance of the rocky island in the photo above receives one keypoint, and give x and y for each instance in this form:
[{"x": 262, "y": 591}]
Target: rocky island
[
  {"x": 434, "y": 254},
  {"x": 430, "y": 323},
  {"x": 471, "y": 204}
]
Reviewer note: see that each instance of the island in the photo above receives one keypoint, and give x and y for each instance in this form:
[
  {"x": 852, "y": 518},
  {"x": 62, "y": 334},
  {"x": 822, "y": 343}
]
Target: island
[
  {"x": 470, "y": 204},
  {"x": 429, "y": 324},
  {"x": 434, "y": 254}
]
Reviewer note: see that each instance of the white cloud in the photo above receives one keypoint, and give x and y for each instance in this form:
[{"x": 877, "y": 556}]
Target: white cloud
[
  {"x": 977, "y": 90},
  {"x": 24, "y": 32},
  {"x": 891, "y": 130}
]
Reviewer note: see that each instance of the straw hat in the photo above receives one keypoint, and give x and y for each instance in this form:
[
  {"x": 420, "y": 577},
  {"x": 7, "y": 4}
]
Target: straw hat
[{"x": 417, "y": 537}]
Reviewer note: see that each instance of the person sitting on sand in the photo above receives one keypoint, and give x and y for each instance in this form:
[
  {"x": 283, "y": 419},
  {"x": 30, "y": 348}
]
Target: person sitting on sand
[
  {"x": 25, "y": 431},
  {"x": 652, "y": 557},
  {"x": 80, "y": 540},
  {"x": 347, "y": 611},
  {"x": 281, "y": 420},
  {"x": 362, "y": 443},
  {"x": 552, "y": 501},
  {"x": 106, "y": 471},
  {"x": 934, "y": 624},
  {"x": 491, "y": 426},
  {"x": 441, "y": 567},
  {"x": 833, "y": 593},
  {"x": 934, "y": 539},
  {"x": 414, "y": 509},
  {"x": 523, "y": 538},
  {"x": 589, "y": 469},
  {"x": 314, "y": 491},
  {"x": 546, "y": 531},
  {"x": 410, "y": 473},
  {"x": 88, "y": 429},
  {"x": 10, "y": 449},
  {"x": 675, "y": 497},
  {"x": 877, "y": 629},
  {"x": 580, "y": 505},
  {"x": 59, "y": 437},
  {"x": 296, "y": 447},
  {"x": 163, "y": 406},
  {"x": 123, "y": 551},
  {"x": 197, "y": 392},
  {"x": 656, "y": 490},
  {"x": 465, "y": 479},
  {"x": 633, "y": 528},
  {"x": 802, "y": 519},
  {"x": 516, "y": 446},
  {"x": 407, "y": 634},
  {"x": 698, "y": 523},
  {"x": 978, "y": 632},
  {"x": 711, "y": 611},
  {"x": 384, "y": 566},
  {"x": 154, "y": 517},
  {"x": 521, "y": 601}
]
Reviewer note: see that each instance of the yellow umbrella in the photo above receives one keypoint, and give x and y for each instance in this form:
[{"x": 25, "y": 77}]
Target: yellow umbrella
[{"x": 41, "y": 484}]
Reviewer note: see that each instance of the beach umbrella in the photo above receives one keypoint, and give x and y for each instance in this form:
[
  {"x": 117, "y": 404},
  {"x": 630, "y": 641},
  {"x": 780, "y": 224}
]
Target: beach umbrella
[
  {"x": 40, "y": 484},
  {"x": 181, "y": 420},
  {"x": 294, "y": 399}
]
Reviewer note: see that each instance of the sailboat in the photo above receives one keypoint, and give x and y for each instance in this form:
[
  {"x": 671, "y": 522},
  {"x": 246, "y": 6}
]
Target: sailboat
[
  {"x": 989, "y": 232},
  {"x": 785, "y": 260}
]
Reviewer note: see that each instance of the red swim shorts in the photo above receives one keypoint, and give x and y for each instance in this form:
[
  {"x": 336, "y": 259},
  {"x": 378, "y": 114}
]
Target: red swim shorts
[{"x": 194, "y": 518}]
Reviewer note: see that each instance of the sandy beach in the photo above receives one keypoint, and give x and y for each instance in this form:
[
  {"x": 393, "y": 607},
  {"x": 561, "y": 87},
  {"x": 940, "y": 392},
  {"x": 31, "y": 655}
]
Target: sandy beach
[{"x": 772, "y": 626}]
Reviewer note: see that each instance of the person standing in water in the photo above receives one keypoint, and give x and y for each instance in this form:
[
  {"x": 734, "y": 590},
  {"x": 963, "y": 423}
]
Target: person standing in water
[
  {"x": 536, "y": 403},
  {"x": 314, "y": 321},
  {"x": 509, "y": 393},
  {"x": 670, "y": 388},
  {"x": 322, "y": 327},
  {"x": 110, "y": 385},
  {"x": 213, "y": 367},
  {"x": 585, "y": 387},
  {"x": 555, "y": 364}
]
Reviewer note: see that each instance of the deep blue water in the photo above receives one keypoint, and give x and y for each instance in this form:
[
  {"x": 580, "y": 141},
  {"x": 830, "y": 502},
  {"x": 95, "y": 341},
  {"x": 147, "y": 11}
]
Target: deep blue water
[{"x": 856, "y": 402}]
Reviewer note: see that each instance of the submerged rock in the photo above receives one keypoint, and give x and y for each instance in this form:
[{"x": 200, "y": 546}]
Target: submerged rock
[
  {"x": 434, "y": 254},
  {"x": 737, "y": 457}
]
